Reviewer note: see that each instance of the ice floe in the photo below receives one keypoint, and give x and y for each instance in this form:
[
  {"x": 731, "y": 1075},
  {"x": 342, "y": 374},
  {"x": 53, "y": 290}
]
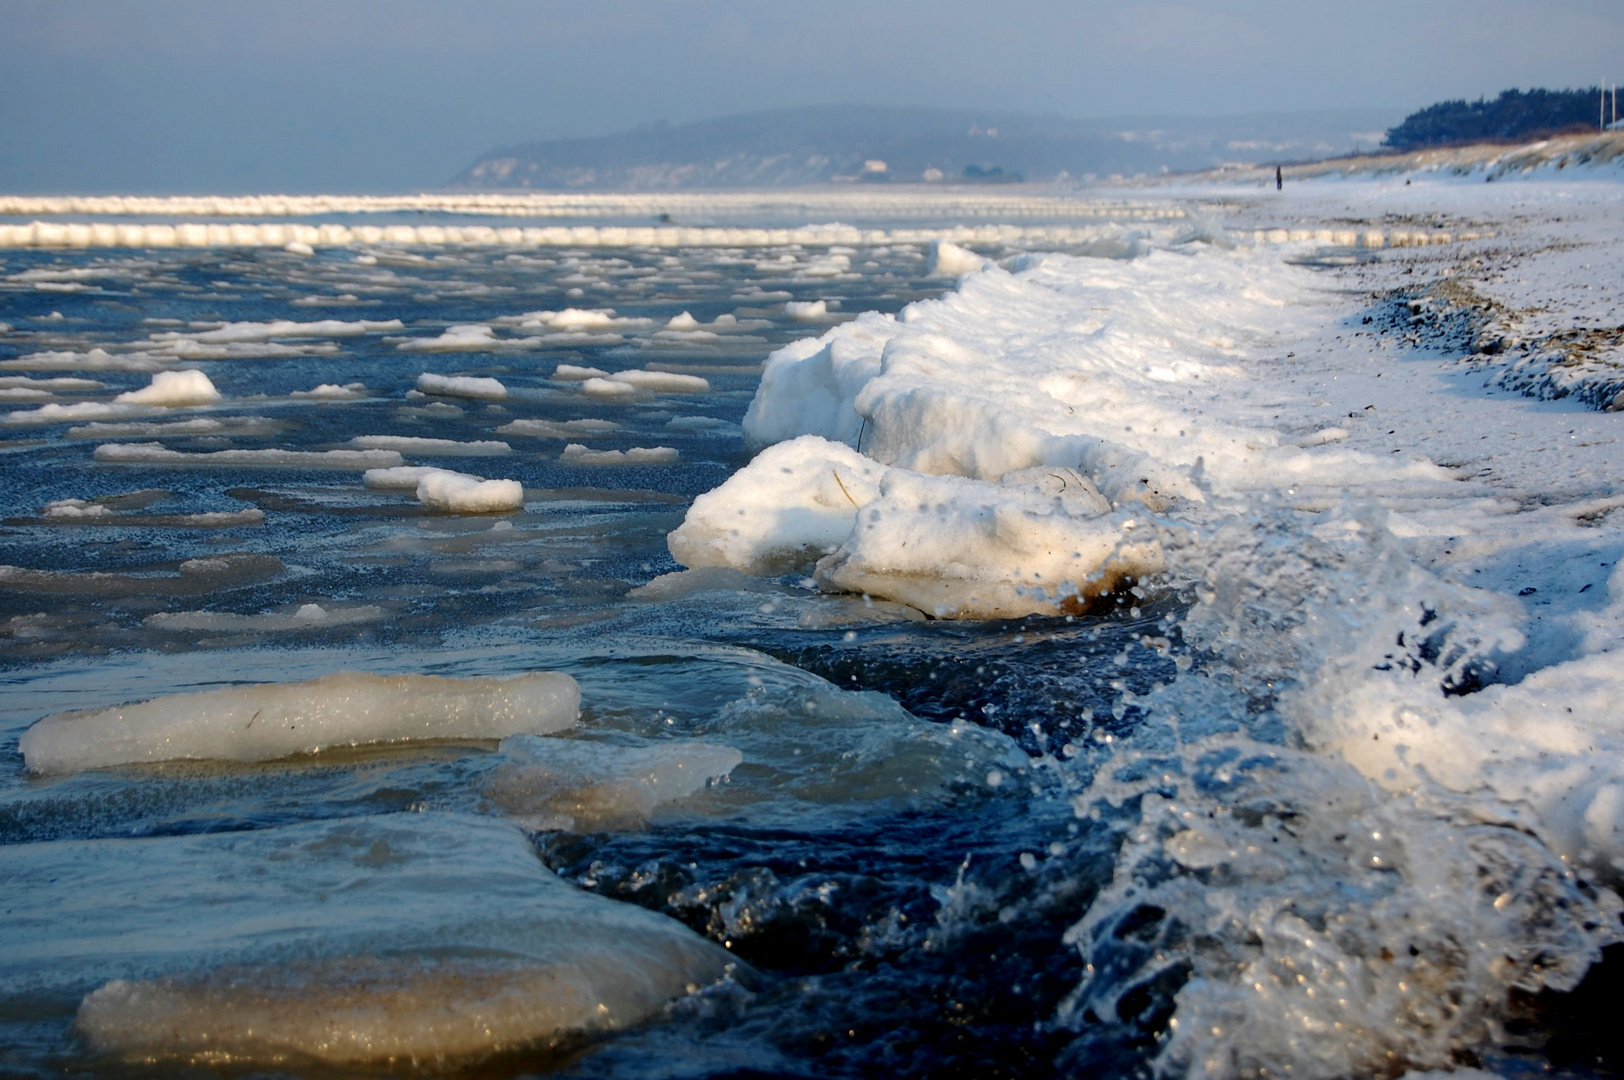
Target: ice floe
[
  {"x": 270, "y": 458},
  {"x": 275, "y": 720},
  {"x": 462, "y": 386},
  {"x": 413, "y": 444},
  {"x": 558, "y": 429},
  {"x": 457, "y": 493},
  {"x": 291, "y": 960},
  {"x": 174, "y": 388},
  {"x": 581, "y": 454}
]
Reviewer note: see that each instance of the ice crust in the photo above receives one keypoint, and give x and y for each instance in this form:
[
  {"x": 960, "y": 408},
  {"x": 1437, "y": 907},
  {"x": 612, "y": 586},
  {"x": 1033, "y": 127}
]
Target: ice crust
[
  {"x": 265, "y": 722},
  {"x": 357, "y": 943}
]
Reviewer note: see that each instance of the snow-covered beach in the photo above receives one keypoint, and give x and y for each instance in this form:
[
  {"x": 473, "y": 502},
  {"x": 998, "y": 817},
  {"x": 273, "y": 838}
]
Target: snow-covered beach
[{"x": 1349, "y": 795}]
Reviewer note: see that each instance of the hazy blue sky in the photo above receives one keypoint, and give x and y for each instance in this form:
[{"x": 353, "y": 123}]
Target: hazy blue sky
[{"x": 231, "y": 95}]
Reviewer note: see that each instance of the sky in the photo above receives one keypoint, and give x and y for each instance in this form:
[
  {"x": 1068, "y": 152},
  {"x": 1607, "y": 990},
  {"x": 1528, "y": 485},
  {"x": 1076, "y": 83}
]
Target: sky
[{"x": 392, "y": 95}]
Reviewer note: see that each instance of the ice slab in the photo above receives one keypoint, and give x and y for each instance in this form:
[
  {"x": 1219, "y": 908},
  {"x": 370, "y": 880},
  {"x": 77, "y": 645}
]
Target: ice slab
[
  {"x": 793, "y": 504},
  {"x": 305, "y": 617},
  {"x": 662, "y": 382},
  {"x": 559, "y": 783},
  {"x": 959, "y": 548},
  {"x": 462, "y": 386},
  {"x": 172, "y": 388},
  {"x": 157, "y": 454},
  {"x": 556, "y": 429},
  {"x": 580, "y": 454},
  {"x": 194, "y": 577},
  {"x": 412, "y": 444},
  {"x": 275, "y": 720},
  {"x": 425, "y": 938},
  {"x": 456, "y": 493}
]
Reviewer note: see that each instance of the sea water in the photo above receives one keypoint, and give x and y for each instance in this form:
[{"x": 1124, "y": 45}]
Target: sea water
[{"x": 898, "y": 845}]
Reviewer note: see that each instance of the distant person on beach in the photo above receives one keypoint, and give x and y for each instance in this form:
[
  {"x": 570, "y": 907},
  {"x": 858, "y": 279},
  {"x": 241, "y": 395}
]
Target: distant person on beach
[{"x": 1279, "y": 181}]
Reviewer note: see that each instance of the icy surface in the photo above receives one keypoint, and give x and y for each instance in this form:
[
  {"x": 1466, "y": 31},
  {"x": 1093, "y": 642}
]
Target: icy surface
[
  {"x": 347, "y": 943},
  {"x": 262, "y": 723}
]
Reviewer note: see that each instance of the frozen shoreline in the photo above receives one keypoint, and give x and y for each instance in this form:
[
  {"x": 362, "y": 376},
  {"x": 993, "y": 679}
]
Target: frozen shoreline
[{"x": 1416, "y": 569}]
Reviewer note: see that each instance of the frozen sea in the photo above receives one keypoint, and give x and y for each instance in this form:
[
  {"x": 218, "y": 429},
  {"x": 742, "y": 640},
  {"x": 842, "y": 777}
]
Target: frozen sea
[{"x": 802, "y": 828}]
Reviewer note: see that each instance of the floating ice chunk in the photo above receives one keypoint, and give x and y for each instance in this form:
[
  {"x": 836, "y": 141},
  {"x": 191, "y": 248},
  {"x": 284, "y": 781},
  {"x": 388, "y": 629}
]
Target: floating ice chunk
[
  {"x": 476, "y": 337},
  {"x": 806, "y": 311},
  {"x": 91, "y": 360},
  {"x": 156, "y": 454},
  {"x": 333, "y": 392},
  {"x": 218, "y": 333},
  {"x": 554, "y": 429},
  {"x": 173, "y": 388},
  {"x": 75, "y": 509},
  {"x": 462, "y": 386},
  {"x": 275, "y": 720},
  {"x": 607, "y": 388},
  {"x": 193, "y": 577},
  {"x": 24, "y": 393},
  {"x": 404, "y": 477},
  {"x": 189, "y": 350},
  {"x": 247, "y": 426},
  {"x": 960, "y": 548},
  {"x": 663, "y": 382},
  {"x": 948, "y": 259},
  {"x": 305, "y": 617},
  {"x": 579, "y": 454},
  {"x": 711, "y": 424},
  {"x": 23, "y": 382},
  {"x": 555, "y": 783},
  {"x": 56, "y": 413},
  {"x": 575, "y": 373},
  {"x": 685, "y": 321},
  {"x": 456, "y": 493},
  {"x": 298, "y": 247},
  {"x": 432, "y": 938},
  {"x": 412, "y": 444},
  {"x": 796, "y": 502}
]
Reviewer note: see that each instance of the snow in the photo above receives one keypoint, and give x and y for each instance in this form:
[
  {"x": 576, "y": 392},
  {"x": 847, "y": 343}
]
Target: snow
[
  {"x": 462, "y": 386},
  {"x": 353, "y": 944},
  {"x": 456, "y": 493},
  {"x": 413, "y": 444},
  {"x": 948, "y": 259},
  {"x": 157, "y": 454},
  {"x": 275, "y": 720},
  {"x": 796, "y": 502},
  {"x": 174, "y": 388}
]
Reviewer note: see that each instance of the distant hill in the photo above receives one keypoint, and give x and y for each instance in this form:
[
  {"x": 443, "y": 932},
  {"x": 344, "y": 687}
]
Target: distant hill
[
  {"x": 860, "y": 144},
  {"x": 1515, "y": 114}
]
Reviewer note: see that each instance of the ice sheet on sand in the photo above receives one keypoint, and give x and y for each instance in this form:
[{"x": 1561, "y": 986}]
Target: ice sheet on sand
[
  {"x": 275, "y": 720},
  {"x": 351, "y": 943},
  {"x": 305, "y": 617},
  {"x": 663, "y": 382},
  {"x": 580, "y": 454},
  {"x": 462, "y": 386},
  {"x": 455, "y": 493},
  {"x": 558, "y": 429},
  {"x": 796, "y": 502},
  {"x": 557, "y": 783},
  {"x": 412, "y": 444},
  {"x": 1040, "y": 542},
  {"x": 156, "y": 454},
  {"x": 172, "y": 388}
]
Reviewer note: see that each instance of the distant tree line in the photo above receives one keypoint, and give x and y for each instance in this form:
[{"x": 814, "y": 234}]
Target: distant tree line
[{"x": 1515, "y": 114}]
